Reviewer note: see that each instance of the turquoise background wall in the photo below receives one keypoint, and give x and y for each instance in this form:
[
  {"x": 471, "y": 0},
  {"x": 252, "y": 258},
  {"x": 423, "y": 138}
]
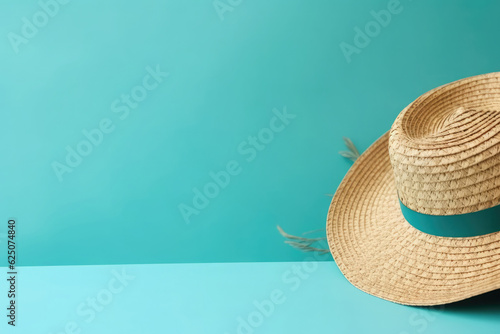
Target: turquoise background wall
[{"x": 179, "y": 91}]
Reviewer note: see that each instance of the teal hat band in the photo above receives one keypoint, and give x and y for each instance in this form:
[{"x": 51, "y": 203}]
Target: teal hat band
[{"x": 455, "y": 226}]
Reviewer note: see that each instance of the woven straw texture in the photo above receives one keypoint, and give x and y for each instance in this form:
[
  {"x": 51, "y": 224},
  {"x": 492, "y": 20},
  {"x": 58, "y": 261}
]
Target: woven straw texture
[{"x": 442, "y": 156}]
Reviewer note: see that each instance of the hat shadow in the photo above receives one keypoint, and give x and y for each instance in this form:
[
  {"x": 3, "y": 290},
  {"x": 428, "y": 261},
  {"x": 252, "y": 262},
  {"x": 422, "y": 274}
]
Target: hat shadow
[{"x": 485, "y": 304}]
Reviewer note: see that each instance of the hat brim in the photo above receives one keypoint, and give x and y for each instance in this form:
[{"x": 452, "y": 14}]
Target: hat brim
[{"x": 380, "y": 253}]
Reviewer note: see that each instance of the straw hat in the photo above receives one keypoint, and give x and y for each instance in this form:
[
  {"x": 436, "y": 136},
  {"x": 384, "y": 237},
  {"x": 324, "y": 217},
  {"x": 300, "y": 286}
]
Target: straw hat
[{"x": 416, "y": 219}]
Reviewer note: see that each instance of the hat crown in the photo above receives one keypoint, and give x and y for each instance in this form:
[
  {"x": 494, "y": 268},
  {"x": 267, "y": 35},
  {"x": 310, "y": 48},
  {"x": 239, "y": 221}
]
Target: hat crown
[{"x": 445, "y": 148}]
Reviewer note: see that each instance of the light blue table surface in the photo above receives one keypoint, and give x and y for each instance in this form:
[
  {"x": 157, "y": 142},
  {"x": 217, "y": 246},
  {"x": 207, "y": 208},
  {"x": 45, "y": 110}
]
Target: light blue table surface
[{"x": 279, "y": 297}]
